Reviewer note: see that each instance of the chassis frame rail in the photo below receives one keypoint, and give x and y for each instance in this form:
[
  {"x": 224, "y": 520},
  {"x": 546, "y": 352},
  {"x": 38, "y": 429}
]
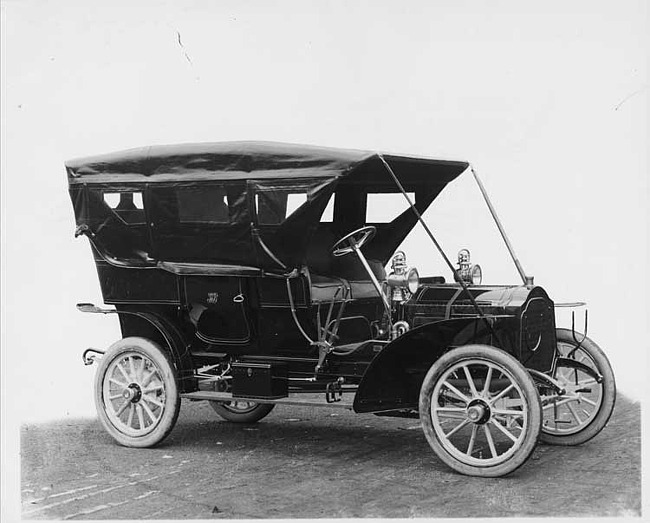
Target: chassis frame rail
[{"x": 227, "y": 396}]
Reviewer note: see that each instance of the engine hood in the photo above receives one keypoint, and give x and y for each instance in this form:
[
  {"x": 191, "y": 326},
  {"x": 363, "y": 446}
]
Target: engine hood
[
  {"x": 523, "y": 316},
  {"x": 450, "y": 300}
]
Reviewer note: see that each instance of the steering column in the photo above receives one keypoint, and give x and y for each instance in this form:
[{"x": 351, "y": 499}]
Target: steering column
[{"x": 352, "y": 243}]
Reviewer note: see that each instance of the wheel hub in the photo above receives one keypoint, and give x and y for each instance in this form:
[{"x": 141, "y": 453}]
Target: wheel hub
[
  {"x": 478, "y": 412},
  {"x": 132, "y": 393}
]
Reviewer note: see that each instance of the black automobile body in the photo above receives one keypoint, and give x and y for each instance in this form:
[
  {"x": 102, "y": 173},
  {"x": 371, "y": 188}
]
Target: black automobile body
[{"x": 249, "y": 274}]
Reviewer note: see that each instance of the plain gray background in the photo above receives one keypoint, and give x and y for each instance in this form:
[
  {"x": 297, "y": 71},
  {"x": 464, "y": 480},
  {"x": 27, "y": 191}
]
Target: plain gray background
[{"x": 548, "y": 100}]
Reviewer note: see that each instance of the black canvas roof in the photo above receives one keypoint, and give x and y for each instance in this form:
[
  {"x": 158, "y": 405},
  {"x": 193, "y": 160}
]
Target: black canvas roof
[
  {"x": 256, "y": 177},
  {"x": 243, "y": 160}
]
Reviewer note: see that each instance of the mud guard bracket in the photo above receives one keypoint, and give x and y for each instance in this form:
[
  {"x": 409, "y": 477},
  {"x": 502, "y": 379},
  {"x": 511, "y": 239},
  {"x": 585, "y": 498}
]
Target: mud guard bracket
[{"x": 574, "y": 364}]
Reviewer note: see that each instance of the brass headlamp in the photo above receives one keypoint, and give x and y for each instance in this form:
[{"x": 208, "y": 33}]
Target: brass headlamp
[
  {"x": 469, "y": 273},
  {"x": 403, "y": 280}
]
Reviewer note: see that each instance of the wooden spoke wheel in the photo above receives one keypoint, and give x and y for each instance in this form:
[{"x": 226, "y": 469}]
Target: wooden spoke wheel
[
  {"x": 480, "y": 411},
  {"x": 585, "y": 409},
  {"x": 136, "y": 394},
  {"x": 242, "y": 411}
]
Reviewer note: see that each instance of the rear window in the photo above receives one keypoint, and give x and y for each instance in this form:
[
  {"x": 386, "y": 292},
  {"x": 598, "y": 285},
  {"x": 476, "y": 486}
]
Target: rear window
[{"x": 207, "y": 205}]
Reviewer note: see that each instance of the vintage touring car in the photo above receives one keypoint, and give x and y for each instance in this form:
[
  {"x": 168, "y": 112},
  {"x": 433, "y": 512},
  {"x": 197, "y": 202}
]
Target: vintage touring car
[{"x": 251, "y": 274}]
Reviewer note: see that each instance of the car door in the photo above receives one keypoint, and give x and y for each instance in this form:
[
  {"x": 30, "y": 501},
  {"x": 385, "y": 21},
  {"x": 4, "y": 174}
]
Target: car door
[
  {"x": 202, "y": 230},
  {"x": 219, "y": 307}
]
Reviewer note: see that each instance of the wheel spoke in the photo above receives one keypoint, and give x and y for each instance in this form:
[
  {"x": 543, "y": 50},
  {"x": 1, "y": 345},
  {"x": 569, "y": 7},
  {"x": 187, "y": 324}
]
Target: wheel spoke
[
  {"x": 557, "y": 403},
  {"x": 149, "y": 412},
  {"x": 564, "y": 373},
  {"x": 450, "y": 413},
  {"x": 119, "y": 411},
  {"x": 129, "y": 421},
  {"x": 472, "y": 439},
  {"x": 119, "y": 383},
  {"x": 457, "y": 428},
  {"x": 115, "y": 396},
  {"x": 587, "y": 400},
  {"x": 502, "y": 393},
  {"x": 140, "y": 416},
  {"x": 505, "y": 412},
  {"x": 134, "y": 373},
  {"x": 153, "y": 388},
  {"x": 119, "y": 367},
  {"x": 486, "y": 387},
  {"x": 456, "y": 391},
  {"x": 470, "y": 381},
  {"x": 504, "y": 430},
  {"x": 155, "y": 402},
  {"x": 488, "y": 436},
  {"x": 140, "y": 370},
  {"x": 574, "y": 413},
  {"x": 146, "y": 379},
  {"x": 444, "y": 409}
]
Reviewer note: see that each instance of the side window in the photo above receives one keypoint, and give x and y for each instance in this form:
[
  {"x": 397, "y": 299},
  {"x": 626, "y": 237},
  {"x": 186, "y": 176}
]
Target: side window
[
  {"x": 199, "y": 221},
  {"x": 127, "y": 205},
  {"x": 208, "y": 205},
  {"x": 328, "y": 213},
  {"x": 385, "y": 207},
  {"x": 275, "y": 206}
]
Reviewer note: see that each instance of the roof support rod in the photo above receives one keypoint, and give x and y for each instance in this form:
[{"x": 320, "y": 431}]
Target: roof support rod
[
  {"x": 528, "y": 280},
  {"x": 435, "y": 242}
]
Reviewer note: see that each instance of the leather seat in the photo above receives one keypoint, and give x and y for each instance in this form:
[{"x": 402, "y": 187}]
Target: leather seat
[
  {"x": 324, "y": 289},
  {"x": 363, "y": 290}
]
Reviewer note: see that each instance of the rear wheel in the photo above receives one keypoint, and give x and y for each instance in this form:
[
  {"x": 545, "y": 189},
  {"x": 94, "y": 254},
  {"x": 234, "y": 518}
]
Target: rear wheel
[
  {"x": 241, "y": 411},
  {"x": 480, "y": 411},
  {"x": 587, "y": 406},
  {"x": 136, "y": 394}
]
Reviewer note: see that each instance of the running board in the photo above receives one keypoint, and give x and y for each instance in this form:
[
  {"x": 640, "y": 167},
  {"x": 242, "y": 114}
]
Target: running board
[{"x": 226, "y": 396}]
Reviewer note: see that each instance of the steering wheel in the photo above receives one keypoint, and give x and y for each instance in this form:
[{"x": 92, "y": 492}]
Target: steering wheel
[{"x": 357, "y": 239}]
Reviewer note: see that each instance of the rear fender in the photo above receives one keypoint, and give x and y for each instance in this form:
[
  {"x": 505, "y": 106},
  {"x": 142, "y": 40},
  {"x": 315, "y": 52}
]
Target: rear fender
[
  {"x": 393, "y": 379},
  {"x": 155, "y": 327}
]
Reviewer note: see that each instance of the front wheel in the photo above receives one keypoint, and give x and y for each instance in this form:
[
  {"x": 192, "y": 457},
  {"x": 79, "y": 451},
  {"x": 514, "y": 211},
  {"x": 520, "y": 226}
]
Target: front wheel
[
  {"x": 586, "y": 407},
  {"x": 242, "y": 411},
  {"x": 136, "y": 394},
  {"x": 480, "y": 411}
]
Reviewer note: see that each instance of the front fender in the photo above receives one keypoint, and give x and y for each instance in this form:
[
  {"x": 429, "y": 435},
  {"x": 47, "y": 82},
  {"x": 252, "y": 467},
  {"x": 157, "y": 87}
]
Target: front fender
[{"x": 393, "y": 379}]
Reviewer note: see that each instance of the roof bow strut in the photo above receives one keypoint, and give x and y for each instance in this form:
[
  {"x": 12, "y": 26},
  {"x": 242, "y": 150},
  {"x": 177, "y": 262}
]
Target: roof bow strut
[{"x": 435, "y": 242}]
